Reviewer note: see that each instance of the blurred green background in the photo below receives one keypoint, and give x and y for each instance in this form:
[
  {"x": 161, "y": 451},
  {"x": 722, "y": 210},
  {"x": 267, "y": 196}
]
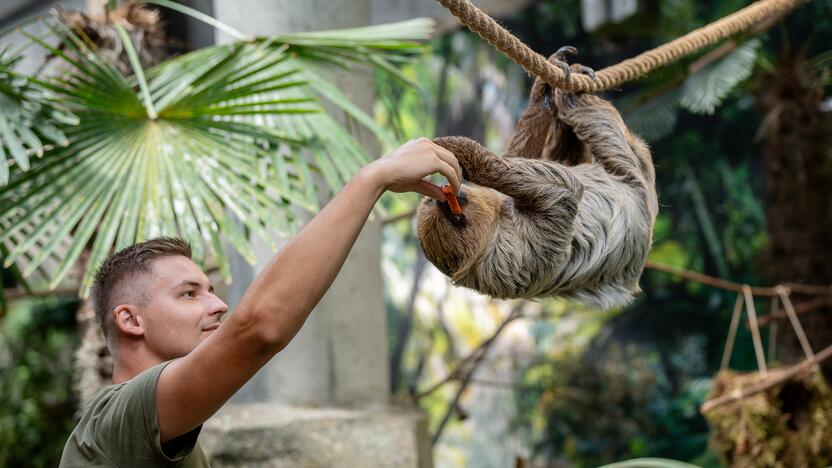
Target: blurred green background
[{"x": 566, "y": 384}]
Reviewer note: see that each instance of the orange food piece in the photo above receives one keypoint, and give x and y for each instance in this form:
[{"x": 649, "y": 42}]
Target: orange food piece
[{"x": 452, "y": 201}]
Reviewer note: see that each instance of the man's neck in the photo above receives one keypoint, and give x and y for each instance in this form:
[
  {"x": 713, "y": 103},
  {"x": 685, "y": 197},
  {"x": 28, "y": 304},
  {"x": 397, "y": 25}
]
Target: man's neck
[{"x": 131, "y": 362}]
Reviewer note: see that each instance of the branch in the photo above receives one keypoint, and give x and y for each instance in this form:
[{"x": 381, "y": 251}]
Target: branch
[
  {"x": 515, "y": 313},
  {"x": 406, "y": 323},
  {"x": 803, "y": 308},
  {"x": 473, "y": 355},
  {"x": 768, "y": 291}
]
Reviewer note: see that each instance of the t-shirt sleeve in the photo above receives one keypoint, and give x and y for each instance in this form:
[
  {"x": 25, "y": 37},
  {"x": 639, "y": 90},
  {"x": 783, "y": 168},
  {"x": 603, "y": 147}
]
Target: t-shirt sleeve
[{"x": 128, "y": 429}]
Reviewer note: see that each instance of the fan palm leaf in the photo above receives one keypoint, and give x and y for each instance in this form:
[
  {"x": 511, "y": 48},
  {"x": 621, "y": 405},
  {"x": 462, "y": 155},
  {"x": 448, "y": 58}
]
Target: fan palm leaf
[
  {"x": 210, "y": 146},
  {"x": 704, "y": 90},
  {"x": 653, "y": 117}
]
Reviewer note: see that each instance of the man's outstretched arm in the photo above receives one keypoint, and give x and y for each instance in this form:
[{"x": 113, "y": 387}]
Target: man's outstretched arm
[{"x": 277, "y": 303}]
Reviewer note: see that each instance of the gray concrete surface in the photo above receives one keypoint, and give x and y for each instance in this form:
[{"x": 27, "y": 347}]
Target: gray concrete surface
[{"x": 267, "y": 435}]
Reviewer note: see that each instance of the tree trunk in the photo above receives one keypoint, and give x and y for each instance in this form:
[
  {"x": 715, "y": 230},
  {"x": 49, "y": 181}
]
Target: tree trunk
[{"x": 796, "y": 160}]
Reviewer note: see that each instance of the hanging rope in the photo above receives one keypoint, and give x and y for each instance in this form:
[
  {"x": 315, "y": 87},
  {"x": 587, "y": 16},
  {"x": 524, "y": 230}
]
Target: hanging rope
[{"x": 481, "y": 23}]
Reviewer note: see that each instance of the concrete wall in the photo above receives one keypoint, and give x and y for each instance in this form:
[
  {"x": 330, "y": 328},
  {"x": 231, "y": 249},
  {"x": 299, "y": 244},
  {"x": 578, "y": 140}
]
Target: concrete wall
[{"x": 340, "y": 355}]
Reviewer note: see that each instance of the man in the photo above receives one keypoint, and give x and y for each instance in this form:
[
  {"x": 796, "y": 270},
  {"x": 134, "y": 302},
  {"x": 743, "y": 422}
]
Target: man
[{"x": 175, "y": 365}]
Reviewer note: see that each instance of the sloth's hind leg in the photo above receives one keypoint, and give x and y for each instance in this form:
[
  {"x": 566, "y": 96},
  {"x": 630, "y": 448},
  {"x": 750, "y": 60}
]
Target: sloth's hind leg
[{"x": 534, "y": 126}]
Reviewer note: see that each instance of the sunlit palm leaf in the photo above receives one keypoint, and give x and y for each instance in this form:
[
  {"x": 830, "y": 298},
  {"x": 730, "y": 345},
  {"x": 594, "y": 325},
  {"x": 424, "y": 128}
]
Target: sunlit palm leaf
[
  {"x": 381, "y": 46},
  {"x": 127, "y": 177},
  {"x": 28, "y": 121},
  {"x": 222, "y": 150},
  {"x": 704, "y": 90}
]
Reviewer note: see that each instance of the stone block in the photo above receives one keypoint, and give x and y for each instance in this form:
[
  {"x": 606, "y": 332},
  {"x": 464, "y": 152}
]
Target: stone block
[{"x": 269, "y": 435}]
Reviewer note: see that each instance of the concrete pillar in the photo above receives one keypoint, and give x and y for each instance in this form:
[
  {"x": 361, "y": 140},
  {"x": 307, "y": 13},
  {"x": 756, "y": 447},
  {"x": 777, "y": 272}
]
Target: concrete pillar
[
  {"x": 340, "y": 355},
  {"x": 324, "y": 400},
  {"x": 387, "y": 11}
]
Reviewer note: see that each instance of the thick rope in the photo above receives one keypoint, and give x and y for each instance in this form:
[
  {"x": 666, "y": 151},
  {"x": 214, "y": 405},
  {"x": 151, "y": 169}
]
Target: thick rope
[{"x": 481, "y": 23}]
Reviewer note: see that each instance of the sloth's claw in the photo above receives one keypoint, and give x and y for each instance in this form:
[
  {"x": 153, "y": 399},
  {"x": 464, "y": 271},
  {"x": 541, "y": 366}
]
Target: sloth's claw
[
  {"x": 584, "y": 70},
  {"x": 560, "y": 54},
  {"x": 567, "y": 72}
]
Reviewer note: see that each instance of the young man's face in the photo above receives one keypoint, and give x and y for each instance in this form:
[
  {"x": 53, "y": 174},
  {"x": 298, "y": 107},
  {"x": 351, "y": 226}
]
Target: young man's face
[{"x": 181, "y": 309}]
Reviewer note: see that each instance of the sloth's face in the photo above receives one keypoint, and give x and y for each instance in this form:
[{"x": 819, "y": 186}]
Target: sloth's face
[{"x": 451, "y": 246}]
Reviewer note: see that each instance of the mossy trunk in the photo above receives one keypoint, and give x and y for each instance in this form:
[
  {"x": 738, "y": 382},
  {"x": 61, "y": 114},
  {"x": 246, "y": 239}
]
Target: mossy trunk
[{"x": 798, "y": 175}]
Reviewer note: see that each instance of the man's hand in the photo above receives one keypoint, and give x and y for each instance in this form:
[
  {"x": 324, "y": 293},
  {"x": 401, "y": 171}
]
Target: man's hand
[{"x": 404, "y": 169}]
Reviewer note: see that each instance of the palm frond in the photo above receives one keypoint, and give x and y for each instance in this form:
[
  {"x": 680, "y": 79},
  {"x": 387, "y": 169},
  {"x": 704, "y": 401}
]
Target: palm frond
[
  {"x": 380, "y": 46},
  {"x": 28, "y": 120},
  {"x": 704, "y": 90},
  {"x": 207, "y": 19},
  {"x": 652, "y": 116},
  {"x": 128, "y": 176},
  {"x": 217, "y": 144}
]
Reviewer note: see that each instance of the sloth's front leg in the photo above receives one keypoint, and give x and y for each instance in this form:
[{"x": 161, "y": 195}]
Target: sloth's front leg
[
  {"x": 539, "y": 133},
  {"x": 599, "y": 126},
  {"x": 535, "y": 185},
  {"x": 559, "y": 59},
  {"x": 479, "y": 165}
]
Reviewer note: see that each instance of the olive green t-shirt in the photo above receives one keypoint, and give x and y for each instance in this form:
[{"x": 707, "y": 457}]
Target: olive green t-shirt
[{"x": 118, "y": 427}]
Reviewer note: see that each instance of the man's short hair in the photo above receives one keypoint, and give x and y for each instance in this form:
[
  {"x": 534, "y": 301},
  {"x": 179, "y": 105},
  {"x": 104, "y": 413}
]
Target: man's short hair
[{"x": 123, "y": 265}]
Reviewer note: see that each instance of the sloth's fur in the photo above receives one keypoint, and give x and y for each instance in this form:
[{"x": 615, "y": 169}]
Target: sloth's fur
[{"x": 568, "y": 210}]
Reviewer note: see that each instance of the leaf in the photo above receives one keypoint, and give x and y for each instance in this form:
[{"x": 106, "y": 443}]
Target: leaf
[
  {"x": 126, "y": 177},
  {"x": 27, "y": 119},
  {"x": 197, "y": 15},
  {"x": 704, "y": 90},
  {"x": 225, "y": 155},
  {"x": 649, "y": 463},
  {"x": 654, "y": 118}
]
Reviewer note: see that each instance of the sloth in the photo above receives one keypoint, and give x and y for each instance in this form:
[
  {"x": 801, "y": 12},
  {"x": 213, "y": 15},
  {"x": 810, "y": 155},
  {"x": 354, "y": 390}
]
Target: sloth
[{"x": 568, "y": 209}]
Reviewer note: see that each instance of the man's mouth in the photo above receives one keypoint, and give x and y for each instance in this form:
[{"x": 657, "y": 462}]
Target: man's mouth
[{"x": 212, "y": 327}]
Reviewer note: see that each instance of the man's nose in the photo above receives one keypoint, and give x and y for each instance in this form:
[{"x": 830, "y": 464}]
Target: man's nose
[{"x": 218, "y": 306}]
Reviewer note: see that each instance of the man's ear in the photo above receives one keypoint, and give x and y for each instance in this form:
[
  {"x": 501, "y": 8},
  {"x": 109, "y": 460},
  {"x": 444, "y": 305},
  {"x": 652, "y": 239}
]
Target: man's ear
[{"x": 127, "y": 320}]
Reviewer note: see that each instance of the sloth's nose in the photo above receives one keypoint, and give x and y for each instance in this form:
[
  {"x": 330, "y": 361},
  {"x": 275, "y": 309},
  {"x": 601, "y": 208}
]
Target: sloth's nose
[{"x": 457, "y": 220}]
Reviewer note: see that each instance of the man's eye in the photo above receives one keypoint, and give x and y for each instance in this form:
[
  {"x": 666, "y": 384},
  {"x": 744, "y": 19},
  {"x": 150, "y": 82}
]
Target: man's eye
[{"x": 187, "y": 293}]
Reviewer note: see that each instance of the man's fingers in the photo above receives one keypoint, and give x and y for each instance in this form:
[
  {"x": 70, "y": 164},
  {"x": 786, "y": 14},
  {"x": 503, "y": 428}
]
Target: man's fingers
[
  {"x": 429, "y": 189},
  {"x": 451, "y": 174},
  {"x": 448, "y": 157}
]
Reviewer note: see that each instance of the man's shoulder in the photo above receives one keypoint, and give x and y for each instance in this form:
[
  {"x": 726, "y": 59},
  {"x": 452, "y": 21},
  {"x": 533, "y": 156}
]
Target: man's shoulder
[{"x": 118, "y": 427}]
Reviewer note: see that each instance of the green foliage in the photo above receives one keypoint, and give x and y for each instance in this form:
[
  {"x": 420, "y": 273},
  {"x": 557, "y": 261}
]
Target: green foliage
[
  {"x": 657, "y": 114},
  {"x": 627, "y": 393},
  {"x": 36, "y": 348},
  {"x": 192, "y": 146},
  {"x": 592, "y": 405},
  {"x": 654, "y": 111},
  {"x": 705, "y": 89},
  {"x": 28, "y": 118}
]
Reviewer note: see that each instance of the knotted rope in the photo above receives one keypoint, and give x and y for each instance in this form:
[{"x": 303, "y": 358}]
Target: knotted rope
[{"x": 481, "y": 23}]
